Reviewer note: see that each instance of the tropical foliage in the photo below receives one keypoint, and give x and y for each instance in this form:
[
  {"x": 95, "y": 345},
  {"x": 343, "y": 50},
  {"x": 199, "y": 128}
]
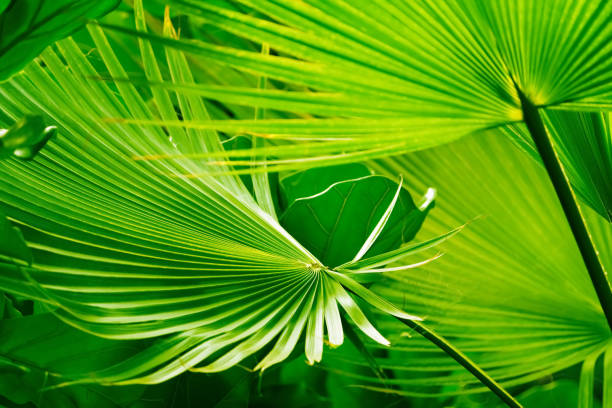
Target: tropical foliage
[{"x": 305, "y": 203}]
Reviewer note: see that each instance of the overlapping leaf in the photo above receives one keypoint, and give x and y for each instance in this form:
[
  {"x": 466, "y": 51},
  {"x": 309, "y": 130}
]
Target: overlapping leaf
[
  {"x": 28, "y": 26},
  {"x": 511, "y": 290},
  {"x": 134, "y": 250},
  {"x": 583, "y": 143},
  {"x": 422, "y": 73}
]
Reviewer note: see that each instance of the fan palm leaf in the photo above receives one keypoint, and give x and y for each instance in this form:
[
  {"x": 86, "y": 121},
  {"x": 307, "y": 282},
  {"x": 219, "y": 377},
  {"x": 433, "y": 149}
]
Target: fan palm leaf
[
  {"x": 186, "y": 235},
  {"x": 510, "y": 291},
  {"x": 126, "y": 250},
  {"x": 459, "y": 60}
]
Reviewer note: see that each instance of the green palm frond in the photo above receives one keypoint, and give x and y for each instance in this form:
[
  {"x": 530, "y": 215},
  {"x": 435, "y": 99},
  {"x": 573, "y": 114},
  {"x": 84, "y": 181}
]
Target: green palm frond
[
  {"x": 124, "y": 250},
  {"x": 455, "y": 59},
  {"x": 141, "y": 225},
  {"x": 511, "y": 290},
  {"x": 419, "y": 74},
  {"x": 352, "y": 89},
  {"x": 583, "y": 142}
]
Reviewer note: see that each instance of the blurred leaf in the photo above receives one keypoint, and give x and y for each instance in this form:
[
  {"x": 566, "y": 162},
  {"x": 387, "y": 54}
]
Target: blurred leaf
[
  {"x": 25, "y": 138},
  {"x": 3, "y": 5},
  {"x": 8, "y": 309},
  {"x": 345, "y": 392},
  {"x": 293, "y": 384},
  {"x": 40, "y": 351},
  {"x": 12, "y": 243},
  {"x": 582, "y": 141},
  {"x": 28, "y": 26},
  {"x": 62, "y": 349},
  {"x": 559, "y": 394},
  {"x": 229, "y": 389}
]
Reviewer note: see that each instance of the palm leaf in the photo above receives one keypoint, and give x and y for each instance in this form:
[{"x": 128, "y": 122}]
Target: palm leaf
[
  {"x": 454, "y": 75},
  {"x": 460, "y": 64},
  {"x": 582, "y": 141},
  {"x": 511, "y": 290},
  {"x": 124, "y": 251}
]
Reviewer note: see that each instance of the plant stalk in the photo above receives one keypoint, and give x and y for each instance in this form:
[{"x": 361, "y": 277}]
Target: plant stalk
[
  {"x": 464, "y": 360},
  {"x": 568, "y": 200}
]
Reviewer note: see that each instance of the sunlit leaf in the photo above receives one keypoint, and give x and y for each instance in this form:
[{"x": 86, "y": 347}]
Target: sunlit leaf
[
  {"x": 133, "y": 250},
  {"x": 583, "y": 144}
]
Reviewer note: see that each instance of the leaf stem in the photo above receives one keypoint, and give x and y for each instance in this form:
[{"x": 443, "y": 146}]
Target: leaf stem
[
  {"x": 464, "y": 360},
  {"x": 568, "y": 200}
]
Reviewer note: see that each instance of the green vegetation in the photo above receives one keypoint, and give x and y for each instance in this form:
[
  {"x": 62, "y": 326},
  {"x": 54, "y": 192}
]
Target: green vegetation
[{"x": 320, "y": 203}]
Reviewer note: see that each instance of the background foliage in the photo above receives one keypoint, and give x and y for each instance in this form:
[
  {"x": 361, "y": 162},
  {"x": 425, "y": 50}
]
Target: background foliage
[{"x": 167, "y": 241}]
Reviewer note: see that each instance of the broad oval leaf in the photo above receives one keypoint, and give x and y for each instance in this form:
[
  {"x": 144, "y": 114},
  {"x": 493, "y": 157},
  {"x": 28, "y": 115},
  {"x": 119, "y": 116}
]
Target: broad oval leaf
[
  {"x": 29, "y": 26},
  {"x": 334, "y": 223},
  {"x": 312, "y": 181}
]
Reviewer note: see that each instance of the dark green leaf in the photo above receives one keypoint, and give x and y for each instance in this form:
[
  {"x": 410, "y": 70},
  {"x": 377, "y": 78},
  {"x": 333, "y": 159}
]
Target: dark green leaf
[
  {"x": 313, "y": 181},
  {"x": 28, "y": 26},
  {"x": 293, "y": 384},
  {"x": 8, "y": 308},
  {"x": 334, "y": 223},
  {"x": 229, "y": 389},
  {"x": 12, "y": 243},
  {"x": 560, "y": 394},
  {"x": 57, "y": 345},
  {"x": 35, "y": 349},
  {"x": 25, "y": 138},
  {"x": 41, "y": 351},
  {"x": 343, "y": 390},
  {"x": 4, "y": 4}
]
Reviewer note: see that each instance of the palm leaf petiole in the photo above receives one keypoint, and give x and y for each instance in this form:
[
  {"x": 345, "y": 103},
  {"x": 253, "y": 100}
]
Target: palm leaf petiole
[
  {"x": 569, "y": 204},
  {"x": 464, "y": 360}
]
